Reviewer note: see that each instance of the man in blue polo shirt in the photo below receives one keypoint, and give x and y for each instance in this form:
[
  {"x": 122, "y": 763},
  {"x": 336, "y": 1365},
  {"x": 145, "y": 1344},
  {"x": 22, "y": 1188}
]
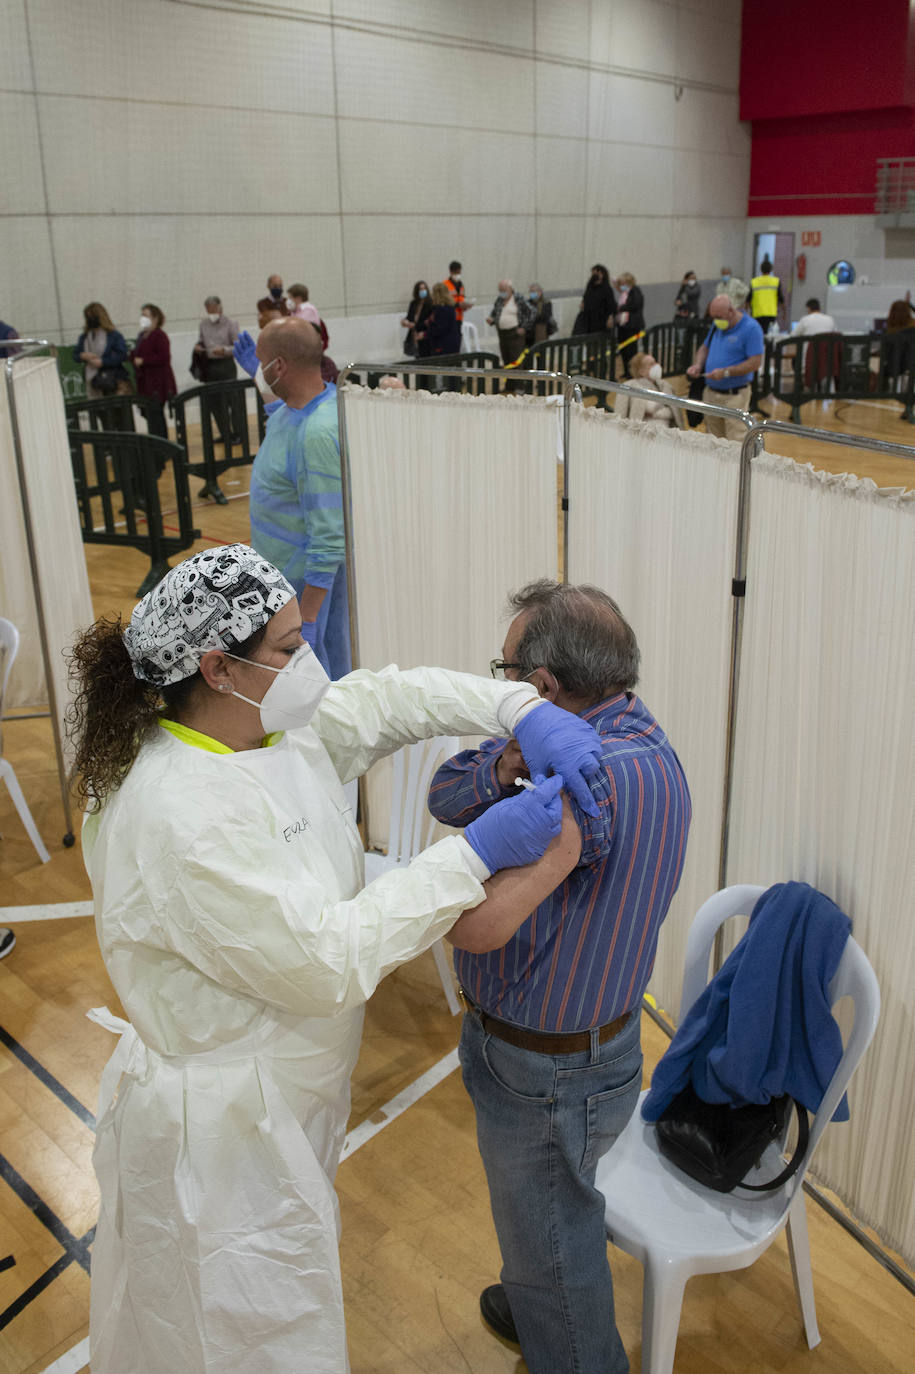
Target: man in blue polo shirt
[{"x": 732, "y": 351}]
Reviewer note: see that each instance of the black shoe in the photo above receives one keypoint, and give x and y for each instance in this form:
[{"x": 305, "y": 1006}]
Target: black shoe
[
  {"x": 496, "y": 1312},
  {"x": 7, "y": 940}
]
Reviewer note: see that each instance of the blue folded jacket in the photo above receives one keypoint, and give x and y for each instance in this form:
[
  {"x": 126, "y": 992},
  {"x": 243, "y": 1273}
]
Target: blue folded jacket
[{"x": 763, "y": 1026}]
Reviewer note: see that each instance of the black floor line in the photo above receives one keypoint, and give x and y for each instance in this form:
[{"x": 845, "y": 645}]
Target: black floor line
[
  {"x": 77, "y": 1249},
  {"x": 32, "y": 1292},
  {"x": 48, "y": 1079}
]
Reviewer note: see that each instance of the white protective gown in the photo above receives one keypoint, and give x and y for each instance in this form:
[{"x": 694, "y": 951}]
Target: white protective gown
[{"x": 234, "y": 924}]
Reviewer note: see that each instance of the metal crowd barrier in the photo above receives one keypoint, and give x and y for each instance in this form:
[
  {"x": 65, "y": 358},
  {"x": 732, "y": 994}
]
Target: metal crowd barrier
[
  {"x": 423, "y": 374},
  {"x": 223, "y": 426},
  {"x": 673, "y": 344},
  {"x": 117, "y": 413},
  {"x": 839, "y": 366},
  {"x": 117, "y": 474}
]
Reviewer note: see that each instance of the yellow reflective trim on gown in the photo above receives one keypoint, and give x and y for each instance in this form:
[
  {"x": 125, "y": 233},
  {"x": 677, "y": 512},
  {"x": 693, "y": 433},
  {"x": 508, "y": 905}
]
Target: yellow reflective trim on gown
[{"x": 197, "y": 740}]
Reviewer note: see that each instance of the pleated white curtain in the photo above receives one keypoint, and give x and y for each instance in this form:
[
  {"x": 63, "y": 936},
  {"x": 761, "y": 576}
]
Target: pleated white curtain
[
  {"x": 55, "y": 520},
  {"x": 824, "y": 769},
  {"x": 454, "y": 504},
  {"x": 651, "y": 521}
]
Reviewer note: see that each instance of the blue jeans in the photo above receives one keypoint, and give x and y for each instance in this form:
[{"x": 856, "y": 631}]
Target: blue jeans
[{"x": 543, "y": 1121}]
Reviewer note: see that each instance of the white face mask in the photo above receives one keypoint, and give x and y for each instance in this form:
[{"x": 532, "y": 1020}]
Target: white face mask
[
  {"x": 655, "y": 372},
  {"x": 295, "y": 693},
  {"x": 262, "y": 386},
  {"x": 214, "y": 319},
  {"x": 145, "y": 322}
]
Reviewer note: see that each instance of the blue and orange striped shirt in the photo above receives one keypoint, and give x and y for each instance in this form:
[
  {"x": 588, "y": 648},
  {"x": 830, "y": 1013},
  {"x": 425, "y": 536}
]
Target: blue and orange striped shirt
[{"x": 585, "y": 955}]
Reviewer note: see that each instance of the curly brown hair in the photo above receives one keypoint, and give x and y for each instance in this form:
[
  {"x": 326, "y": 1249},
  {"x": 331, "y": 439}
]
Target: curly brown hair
[{"x": 113, "y": 713}]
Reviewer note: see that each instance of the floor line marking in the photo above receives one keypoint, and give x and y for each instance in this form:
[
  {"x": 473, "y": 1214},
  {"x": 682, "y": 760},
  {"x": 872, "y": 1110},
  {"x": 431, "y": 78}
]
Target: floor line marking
[
  {"x": 71, "y": 1361},
  {"x": 47, "y": 1078},
  {"x": 35, "y": 1289},
  {"x": 77, "y": 1249},
  {"x": 409, "y": 1095},
  {"x": 46, "y": 911}
]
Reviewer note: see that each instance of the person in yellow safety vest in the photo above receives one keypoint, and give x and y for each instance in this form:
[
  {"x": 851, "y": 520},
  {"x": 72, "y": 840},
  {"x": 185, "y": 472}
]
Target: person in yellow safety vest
[{"x": 765, "y": 296}]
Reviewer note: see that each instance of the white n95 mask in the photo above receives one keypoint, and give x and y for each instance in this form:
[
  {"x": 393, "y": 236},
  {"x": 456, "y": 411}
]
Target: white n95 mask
[
  {"x": 294, "y": 694},
  {"x": 265, "y": 391},
  {"x": 655, "y": 372}
]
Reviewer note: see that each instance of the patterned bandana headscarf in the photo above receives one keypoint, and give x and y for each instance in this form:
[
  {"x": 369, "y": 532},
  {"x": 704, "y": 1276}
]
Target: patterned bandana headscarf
[{"x": 215, "y": 600}]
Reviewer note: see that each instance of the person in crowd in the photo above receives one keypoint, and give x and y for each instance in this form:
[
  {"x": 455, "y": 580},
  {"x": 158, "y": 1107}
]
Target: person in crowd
[
  {"x": 276, "y": 293},
  {"x": 214, "y": 362},
  {"x": 686, "y": 306},
  {"x": 766, "y": 296},
  {"x": 550, "y": 1048},
  {"x": 597, "y": 310},
  {"x": 728, "y": 358},
  {"x": 511, "y": 316},
  {"x": 269, "y": 310},
  {"x": 103, "y": 351},
  {"x": 296, "y": 502},
  {"x": 455, "y": 288},
  {"x": 814, "y": 322},
  {"x": 151, "y": 356},
  {"x": 732, "y": 286},
  {"x": 300, "y": 306},
  {"x": 231, "y": 912},
  {"x": 7, "y": 936},
  {"x": 543, "y": 324},
  {"x": 416, "y": 343},
  {"x": 900, "y": 317},
  {"x": 646, "y": 371},
  {"x": 7, "y": 346},
  {"x": 443, "y": 330},
  {"x": 630, "y": 317}
]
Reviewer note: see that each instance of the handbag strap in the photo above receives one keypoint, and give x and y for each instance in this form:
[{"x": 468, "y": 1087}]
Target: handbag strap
[{"x": 794, "y": 1163}]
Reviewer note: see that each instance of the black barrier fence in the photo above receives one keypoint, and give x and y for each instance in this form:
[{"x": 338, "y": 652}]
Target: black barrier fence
[
  {"x": 843, "y": 367},
  {"x": 224, "y": 433},
  {"x": 117, "y": 477},
  {"x": 674, "y": 343},
  {"x": 118, "y": 413},
  {"x": 588, "y": 355}
]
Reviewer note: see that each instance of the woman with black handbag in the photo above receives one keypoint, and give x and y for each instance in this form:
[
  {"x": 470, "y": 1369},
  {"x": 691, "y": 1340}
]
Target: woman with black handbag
[
  {"x": 102, "y": 351},
  {"x": 416, "y": 344}
]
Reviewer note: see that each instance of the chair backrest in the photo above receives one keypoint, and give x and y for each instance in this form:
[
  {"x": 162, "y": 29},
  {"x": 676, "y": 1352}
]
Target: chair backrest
[
  {"x": 9, "y": 648},
  {"x": 414, "y": 766},
  {"x": 853, "y": 978}
]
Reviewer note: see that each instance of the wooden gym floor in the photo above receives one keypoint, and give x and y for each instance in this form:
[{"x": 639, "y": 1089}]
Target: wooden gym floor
[{"x": 418, "y": 1243}]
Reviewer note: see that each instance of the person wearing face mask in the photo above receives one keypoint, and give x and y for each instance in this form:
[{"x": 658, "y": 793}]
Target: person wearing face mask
[
  {"x": 686, "y": 306},
  {"x": 103, "y": 351},
  {"x": 213, "y": 362},
  {"x": 543, "y": 324},
  {"x": 511, "y": 316},
  {"x": 728, "y": 358},
  {"x": 597, "y": 310},
  {"x": 228, "y": 882},
  {"x": 732, "y": 286},
  {"x": 630, "y": 318},
  {"x": 151, "y": 356},
  {"x": 646, "y": 373},
  {"x": 276, "y": 293},
  {"x": 296, "y": 500},
  {"x": 415, "y": 322}
]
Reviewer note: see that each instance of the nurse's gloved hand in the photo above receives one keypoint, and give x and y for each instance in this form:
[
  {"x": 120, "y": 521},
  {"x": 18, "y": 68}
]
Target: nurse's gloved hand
[
  {"x": 517, "y": 831},
  {"x": 553, "y": 740},
  {"x": 245, "y": 352}
]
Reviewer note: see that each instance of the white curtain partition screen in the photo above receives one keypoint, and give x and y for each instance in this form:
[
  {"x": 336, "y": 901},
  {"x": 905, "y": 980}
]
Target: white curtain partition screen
[
  {"x": 651, "y": 520},
  {"x": 454, "y": 505},
  {"x": 55, "y": 522},
  {"x": 824, "y": 769}
]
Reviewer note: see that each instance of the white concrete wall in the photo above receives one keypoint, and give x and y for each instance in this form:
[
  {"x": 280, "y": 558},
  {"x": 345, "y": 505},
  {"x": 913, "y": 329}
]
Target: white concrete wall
[{"x": 162, "y": 150}]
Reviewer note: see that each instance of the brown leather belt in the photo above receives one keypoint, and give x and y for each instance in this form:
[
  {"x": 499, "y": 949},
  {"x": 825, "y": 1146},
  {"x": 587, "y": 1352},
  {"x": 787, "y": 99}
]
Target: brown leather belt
[{"x": 542, "y": 1042}]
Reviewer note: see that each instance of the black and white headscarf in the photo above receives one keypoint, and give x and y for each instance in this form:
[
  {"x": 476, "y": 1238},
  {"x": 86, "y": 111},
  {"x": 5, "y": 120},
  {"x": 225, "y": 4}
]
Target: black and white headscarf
[{"x": 215, "y": 600}]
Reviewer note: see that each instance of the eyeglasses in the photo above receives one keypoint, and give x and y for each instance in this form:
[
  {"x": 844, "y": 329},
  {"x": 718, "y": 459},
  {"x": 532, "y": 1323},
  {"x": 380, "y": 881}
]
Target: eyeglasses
[{"x": 497, "y": 666}]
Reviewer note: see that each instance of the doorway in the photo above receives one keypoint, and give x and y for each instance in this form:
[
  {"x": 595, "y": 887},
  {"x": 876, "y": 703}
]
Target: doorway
[{"x": 779, "y": 249}]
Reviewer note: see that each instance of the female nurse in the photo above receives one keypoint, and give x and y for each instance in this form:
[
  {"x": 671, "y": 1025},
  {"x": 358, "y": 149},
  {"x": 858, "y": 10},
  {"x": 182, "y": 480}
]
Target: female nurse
[{"x": 227, "y": 875}]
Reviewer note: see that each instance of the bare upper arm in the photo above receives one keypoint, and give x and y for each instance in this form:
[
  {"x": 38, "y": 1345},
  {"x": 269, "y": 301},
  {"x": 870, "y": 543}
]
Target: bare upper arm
[{"x": 513, "y": 893}]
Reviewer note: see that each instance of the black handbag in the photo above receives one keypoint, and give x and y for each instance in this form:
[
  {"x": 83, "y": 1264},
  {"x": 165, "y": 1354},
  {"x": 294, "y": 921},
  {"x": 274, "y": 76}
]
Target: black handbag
[{"x": 717, "y": 1144}]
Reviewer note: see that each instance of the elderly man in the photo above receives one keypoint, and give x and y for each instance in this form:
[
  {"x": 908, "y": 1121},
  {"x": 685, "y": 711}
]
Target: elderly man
[
  {"x": 511, "y": 316},
  {"x": 296, "y": 501},
  {"x": 277, "y": 294},
  {"x": 550, "y": 1047},
  {"x": 213, "y": 362},
  {"x": 732, "y": 352},
  {"x": 732, "y": 286}
]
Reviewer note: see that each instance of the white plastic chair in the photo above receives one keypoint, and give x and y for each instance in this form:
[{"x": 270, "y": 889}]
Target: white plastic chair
[
  {"x": 9, "y": 648},
  {"x": 470, "y": 337},
  {"x": 409, "y": 826},
  {"x": 677, "y": 1227}
]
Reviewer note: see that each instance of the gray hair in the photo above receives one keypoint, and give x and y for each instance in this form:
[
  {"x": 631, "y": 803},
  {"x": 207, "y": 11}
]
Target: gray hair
[
  {"x": 579, "y": 634},
  {"x": 212, "y": 300}
]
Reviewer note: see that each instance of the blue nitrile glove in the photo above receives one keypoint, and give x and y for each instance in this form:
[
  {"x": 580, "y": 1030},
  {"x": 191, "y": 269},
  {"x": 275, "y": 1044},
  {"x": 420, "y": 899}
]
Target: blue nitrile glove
[
  {"x": 554, "y": 740},
  {"x": 310, "y": 632},
  {"x": 517, "y": 831},
  {"x": 245, "y": 352}
]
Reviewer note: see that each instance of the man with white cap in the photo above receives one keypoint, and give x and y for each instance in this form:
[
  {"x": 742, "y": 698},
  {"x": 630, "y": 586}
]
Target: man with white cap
[{"x": 227, "y": 874}]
